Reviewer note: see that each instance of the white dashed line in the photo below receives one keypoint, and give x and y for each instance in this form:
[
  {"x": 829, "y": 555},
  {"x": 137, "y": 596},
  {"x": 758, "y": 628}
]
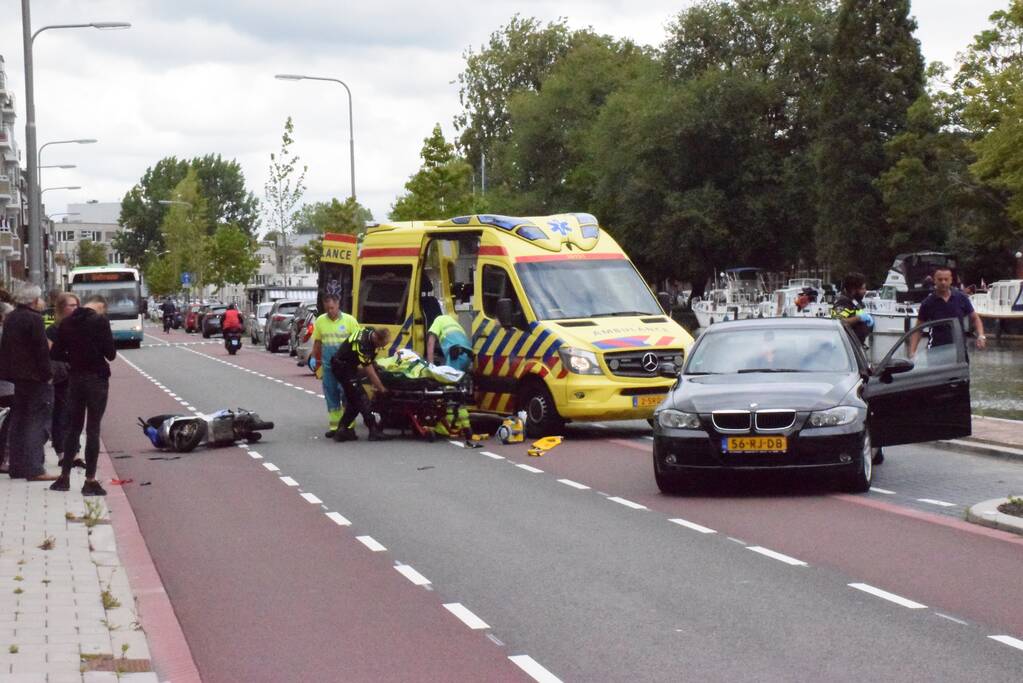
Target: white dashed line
[
  {"x": 939, "y": 503},
  {"x": 649, "y": 438},
  {"x": 627, "y": 503},
  {"x": 1009, "y": 640},
  {"x": 534, "y": 669},
  {"x": 891, "y": 597},
  {"x": 371, "y": 543},
  {"x": 255, "y": 455},
  {"x": 412, "y": 575},
  {"x": 528, "y": 468},
  {"x": 311, "y": 498},
  {"x": 338, "y": 519},
  {"x": 270, "y": 466},
  {"x": 289, "y": 384},
  {"x": 495, "y": 456},
  {"x": 457, "y": 443},
  {"x": 172, "y": 395},
  {"x": 692, "y": 525},
  {"x": 465, "y": 616},
  {"x": 958, "y": 621},
  {"x": 777, "y": 556},
  {"x": 311, "y": 393},
  {"x": 884, "y": 491},
  {"x": 574, "y": 484},
  {"x": 289, "y": 481}
]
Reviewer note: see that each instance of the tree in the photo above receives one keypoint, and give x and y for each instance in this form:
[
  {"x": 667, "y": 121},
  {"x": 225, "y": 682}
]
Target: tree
[
  {"x": 91, "y": 253},
  {"x": 283, "y": 190},
  {"x": 875, "y": 72},
  {"x": 161, "y": 276},
  {"x": 231, "y": 257},
  {"x": 222, "y": 184},
  {"x": 441, "y": 188},
  {"x": 184, "y": 230},
  {"x": 348, "y": 217}
]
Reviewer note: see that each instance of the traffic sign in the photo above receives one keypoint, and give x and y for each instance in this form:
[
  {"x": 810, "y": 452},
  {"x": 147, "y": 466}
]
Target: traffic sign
[{"x": 186, "y": 278}]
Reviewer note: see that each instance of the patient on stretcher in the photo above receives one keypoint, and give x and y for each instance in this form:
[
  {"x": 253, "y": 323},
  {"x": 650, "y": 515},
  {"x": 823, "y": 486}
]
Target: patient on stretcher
[{"x": 406, "y": 366}]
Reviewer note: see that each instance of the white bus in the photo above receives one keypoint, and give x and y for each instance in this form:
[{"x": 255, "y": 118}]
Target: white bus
[{"x": 120, "y": 286}]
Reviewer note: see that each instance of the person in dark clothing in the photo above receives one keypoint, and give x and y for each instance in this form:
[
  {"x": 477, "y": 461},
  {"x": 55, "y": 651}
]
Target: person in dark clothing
[
  {"x": 848, "y": 307},
  {"x": 946, "y": 302},
  {"x": 87, "y": 343},
  {"x": 6, "y": 393},
  {"x": 64, "y": 305},
  {"x": 25, "y": 362},
  {"x": 354, "y": 355},
  {"x": 169, "y": 311}
]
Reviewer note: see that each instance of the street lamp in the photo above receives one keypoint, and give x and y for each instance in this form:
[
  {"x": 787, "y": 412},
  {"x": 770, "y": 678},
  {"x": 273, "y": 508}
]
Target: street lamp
[
  {"x": 62, "y": 187},
  {"x": 65, "y": 166},
  {"x": 351, "y": 125},
  {"x": 35, "y": 236}
]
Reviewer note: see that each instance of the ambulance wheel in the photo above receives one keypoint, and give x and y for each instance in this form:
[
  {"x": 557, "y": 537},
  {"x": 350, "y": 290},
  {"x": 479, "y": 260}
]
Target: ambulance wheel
[{"x": 542, "y": 417}]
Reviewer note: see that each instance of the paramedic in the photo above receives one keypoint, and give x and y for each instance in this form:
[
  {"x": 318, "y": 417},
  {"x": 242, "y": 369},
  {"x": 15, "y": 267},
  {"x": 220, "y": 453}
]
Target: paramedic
[
  {"x": 330, "y": 330},
  {"x": 454, "y": 343},
  {"x": 357, "y": 352}
]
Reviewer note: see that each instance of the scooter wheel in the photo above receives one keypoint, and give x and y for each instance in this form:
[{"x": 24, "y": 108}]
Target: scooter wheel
[
  {"x": 253, "y": 437},
  {"x": 186, "y": 437}
]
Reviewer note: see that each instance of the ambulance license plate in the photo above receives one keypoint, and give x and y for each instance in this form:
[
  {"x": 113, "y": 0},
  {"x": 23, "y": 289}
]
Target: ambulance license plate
[
  {"x": 647, "y": 401},
  {"x": 754, "y": 444}
]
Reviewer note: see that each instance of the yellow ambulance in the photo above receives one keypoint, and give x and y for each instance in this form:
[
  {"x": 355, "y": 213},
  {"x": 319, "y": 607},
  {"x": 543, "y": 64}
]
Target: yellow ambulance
[{"x": 561, "y": 323}]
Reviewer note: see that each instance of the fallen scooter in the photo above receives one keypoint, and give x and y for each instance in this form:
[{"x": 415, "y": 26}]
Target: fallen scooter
[{"x": 184, "y": 433}]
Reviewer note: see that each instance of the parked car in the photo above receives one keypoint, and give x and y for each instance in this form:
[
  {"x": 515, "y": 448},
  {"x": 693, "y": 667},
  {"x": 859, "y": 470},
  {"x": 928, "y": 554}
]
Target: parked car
[
  {"x": 278, "y": 324},
  {"x": 212, "y": 320},
  {"x": 305, "y": 342},
  {"x": 304, "y": 314},
  {"x": 192, "y": 314},
  {"x": 800, "y": 394},
  {"x": 256, "y": 322}
]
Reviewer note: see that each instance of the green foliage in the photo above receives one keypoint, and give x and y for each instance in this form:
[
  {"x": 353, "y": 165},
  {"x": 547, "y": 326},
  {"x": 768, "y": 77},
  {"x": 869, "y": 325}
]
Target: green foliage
[
  {"x": 184, "y": 230},
  {"x": 231, "y": 256},
  {"x": 347, "y": 217},
  {"x": 222, "y": 184},
  {"x": 442, "y": 187},
  {"x": 283, "y": 190},
  {"x": 91, "y": 253},
  {"x": 162, "y": 276}
]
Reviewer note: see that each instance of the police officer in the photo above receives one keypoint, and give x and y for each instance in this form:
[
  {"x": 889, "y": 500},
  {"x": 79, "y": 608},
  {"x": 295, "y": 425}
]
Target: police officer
[
  {"x": 848, "y": 307},
  {"x": 355, "y": 354}
]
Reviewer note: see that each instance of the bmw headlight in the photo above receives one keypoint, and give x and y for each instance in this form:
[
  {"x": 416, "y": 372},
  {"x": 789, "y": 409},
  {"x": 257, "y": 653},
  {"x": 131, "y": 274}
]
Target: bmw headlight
[
  {"x": 580, "y": 361},
  {"x": 676, "y": 419},
  {"x": 835, "y": 417}
]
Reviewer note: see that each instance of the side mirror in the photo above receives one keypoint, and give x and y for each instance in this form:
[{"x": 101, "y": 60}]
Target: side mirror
[
  {"x": 667, "y": 371},
  {"x": 664, "y": 299},
  {"x": 896, "y": 366},
  {"x": 504, "y": 313}
]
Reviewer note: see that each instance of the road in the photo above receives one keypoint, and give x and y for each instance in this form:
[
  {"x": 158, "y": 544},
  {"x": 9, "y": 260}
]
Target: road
[{"x": 302, "y": 559}]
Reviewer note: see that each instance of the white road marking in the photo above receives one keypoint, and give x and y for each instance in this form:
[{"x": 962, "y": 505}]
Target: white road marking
[
  {"x": 939, "y": 503},
  {"x": 338, "y": 519},
  {"x": 172, "y": 395},
  {"x": 777, "y": 556},
  {"x": 574, "y": 484},
  {"x": 254, "y": 455},
  {"x": 884, "y": 491},
  {"x": 412, "y": 575},
  {"x": 371, "y": 543},
  {"x": 465, "y": 616},
  {"x": 534, "y": 669},
  {"x": 736, "y": 540},
  {"x": 311, "y": 498},
  {"x": 1009, "y": 640},
  {"x": 692, "y": 525},
  {"x": 891, "y": 597},
  {"x": 598, "y": 425},
  {"x": 456, "y": 443},
  {"x": 495, "y": 456},
  {"x": 289, "y": 481},
  {"x": 627, "y": 503},
  {"x": 312, "y": 393},
  {"x": 649, "y": 438},
  {"x": 529, "y": 469},
  {"x": 270, "y": 466},
  {"x": 288, "y": 384},
  {"x": 188, "y": 406},
  {"x": 958, "y": 621}
]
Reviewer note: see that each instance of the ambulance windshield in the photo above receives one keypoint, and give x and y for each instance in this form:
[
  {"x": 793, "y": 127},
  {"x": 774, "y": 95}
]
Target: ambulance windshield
[{"x": 558, "y": 290}]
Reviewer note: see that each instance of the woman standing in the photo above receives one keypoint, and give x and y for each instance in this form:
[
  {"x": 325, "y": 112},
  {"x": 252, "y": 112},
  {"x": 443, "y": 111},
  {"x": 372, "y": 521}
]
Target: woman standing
[{"x": 65, "y": 304}]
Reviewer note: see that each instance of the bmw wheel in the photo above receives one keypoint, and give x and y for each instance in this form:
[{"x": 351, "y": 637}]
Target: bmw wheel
[{"x": 861, "y": 475}]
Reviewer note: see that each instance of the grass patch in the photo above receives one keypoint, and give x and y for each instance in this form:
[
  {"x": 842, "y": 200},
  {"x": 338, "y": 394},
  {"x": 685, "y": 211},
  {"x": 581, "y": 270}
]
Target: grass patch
[{"x": 13, "y": 649}]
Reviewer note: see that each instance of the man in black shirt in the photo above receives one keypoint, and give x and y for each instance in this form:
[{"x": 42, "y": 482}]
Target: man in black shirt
[
  {"x": 355, "y": 354},
  {"x": 848, "y": 307},
  {"x": 85, "y": 341},
  {"x": 945, "y": 302}
]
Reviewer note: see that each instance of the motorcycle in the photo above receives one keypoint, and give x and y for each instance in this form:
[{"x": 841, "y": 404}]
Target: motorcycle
[
  {"x": 184, "y": 433},
  {"x": 168, "y": 322},
  {"x": 232, "y": 340}
]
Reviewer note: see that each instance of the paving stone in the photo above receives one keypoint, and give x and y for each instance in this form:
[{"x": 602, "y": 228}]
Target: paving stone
[
  {"x": 147, "y": 677},
  {"x": 99, "y": 677},
  {"x": 64, "y": 678}
]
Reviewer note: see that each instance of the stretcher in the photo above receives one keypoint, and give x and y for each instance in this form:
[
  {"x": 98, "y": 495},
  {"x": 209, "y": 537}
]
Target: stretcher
[{"x": 420, "y": 401}]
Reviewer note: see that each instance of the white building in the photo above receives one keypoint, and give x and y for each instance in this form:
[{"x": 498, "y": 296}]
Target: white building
[
  {"x": 93, "y": 221},
  {"x": 13, "y": 250}
]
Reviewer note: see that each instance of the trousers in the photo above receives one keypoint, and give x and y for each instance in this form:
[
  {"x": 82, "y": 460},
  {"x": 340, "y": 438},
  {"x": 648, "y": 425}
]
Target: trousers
[
  {"x": 30, "y": 419},
  {"x": 356, "y": 401},
  {"x": 87, "y": 401}
]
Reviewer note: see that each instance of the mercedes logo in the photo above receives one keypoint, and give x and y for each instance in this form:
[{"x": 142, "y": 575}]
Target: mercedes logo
[{"x": 650, "y": 362}]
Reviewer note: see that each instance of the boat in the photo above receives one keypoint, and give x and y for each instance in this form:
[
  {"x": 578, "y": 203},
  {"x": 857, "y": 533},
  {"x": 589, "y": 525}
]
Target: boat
[
  {"x": 737, "y": 294},
  {"x": 890, "y": 315},
  {"x": 1001, "y": 306},
  {"x": 800, "y": 298},
  {"x": 910, "y": 277}
]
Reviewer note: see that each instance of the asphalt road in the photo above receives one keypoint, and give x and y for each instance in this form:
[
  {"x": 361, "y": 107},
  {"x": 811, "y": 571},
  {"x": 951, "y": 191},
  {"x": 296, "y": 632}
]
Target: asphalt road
[{"x": 302, "y": 559}]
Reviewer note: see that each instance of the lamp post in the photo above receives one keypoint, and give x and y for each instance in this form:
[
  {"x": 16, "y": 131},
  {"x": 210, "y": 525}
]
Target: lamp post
[
  {"x": 351, "y": 125},
  {"x": 35, "y": 237}
]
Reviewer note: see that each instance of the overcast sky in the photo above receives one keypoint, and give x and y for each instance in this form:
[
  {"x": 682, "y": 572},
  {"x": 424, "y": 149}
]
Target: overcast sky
[{"x": 193, "y": 77}]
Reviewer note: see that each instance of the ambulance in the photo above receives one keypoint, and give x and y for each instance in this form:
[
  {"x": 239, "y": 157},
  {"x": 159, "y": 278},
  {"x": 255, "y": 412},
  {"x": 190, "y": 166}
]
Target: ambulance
[{"x": 562, "y": 325}]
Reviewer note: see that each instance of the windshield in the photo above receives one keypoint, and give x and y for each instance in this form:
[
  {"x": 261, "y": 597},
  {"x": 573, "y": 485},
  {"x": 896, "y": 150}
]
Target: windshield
[
  {"x": 796, "y": 349},
  {"x": 122, "y": 297},
  {"x": 585, "y": 289}
]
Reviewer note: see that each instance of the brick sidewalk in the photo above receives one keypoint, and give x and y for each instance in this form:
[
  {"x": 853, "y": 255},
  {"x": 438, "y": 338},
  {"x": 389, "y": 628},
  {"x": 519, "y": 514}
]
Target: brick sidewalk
[{"x": 67, "y": 612}]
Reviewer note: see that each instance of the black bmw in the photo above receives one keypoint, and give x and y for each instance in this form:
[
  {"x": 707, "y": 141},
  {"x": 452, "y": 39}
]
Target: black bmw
[{"x": 799, "y": 393}]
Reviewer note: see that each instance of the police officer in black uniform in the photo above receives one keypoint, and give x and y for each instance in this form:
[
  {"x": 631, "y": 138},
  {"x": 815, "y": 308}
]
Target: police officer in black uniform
[
  {"x": 355, "y": 354},
  {"x": 849, "y": 308}
]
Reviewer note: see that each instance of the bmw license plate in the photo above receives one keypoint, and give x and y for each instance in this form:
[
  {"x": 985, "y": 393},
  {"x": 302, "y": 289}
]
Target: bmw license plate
[
  {"x": 647, "y": 401},
  {"x": 754, "y": 444}
]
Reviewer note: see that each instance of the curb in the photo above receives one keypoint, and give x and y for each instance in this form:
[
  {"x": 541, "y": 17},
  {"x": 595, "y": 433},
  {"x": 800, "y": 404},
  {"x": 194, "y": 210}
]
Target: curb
[
  {"x": 987, "y": 514},
  {"x": 980, "y": 448}
]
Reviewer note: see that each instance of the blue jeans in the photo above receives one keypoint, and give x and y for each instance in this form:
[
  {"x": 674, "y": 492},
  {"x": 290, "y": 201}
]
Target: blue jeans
[{"x": 30, "y": 419}]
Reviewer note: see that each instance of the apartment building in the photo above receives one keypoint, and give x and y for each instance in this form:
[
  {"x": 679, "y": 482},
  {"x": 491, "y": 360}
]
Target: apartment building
[
  {"x": 93, "y": 221},
  {"x": 13, "y": 247}
]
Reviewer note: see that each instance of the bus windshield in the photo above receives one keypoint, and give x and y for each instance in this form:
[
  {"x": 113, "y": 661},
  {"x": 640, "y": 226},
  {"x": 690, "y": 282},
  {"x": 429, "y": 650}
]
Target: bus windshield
[
  {"x": 558, "y": 290},
  {"x": 122, "y": 297}
]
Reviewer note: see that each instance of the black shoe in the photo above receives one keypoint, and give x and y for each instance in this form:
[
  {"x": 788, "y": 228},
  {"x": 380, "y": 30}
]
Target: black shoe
[
  {"x": 92, "y": 488},
  {"x": 329, "y": 434},
  {"x": 62, "y": 484},
  {"x": 379, "y": 435},
  {"x": 346, "y": 435}
]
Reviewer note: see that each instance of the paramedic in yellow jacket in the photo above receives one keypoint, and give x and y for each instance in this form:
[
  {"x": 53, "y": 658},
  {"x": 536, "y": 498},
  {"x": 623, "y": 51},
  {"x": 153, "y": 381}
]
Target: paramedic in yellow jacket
[
  {"x": 330, "y": 331},
  {"x": 454, "y": 343}
]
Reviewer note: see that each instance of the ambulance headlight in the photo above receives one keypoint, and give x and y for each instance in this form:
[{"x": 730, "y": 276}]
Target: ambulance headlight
[{"x": 580, "y": 361}]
